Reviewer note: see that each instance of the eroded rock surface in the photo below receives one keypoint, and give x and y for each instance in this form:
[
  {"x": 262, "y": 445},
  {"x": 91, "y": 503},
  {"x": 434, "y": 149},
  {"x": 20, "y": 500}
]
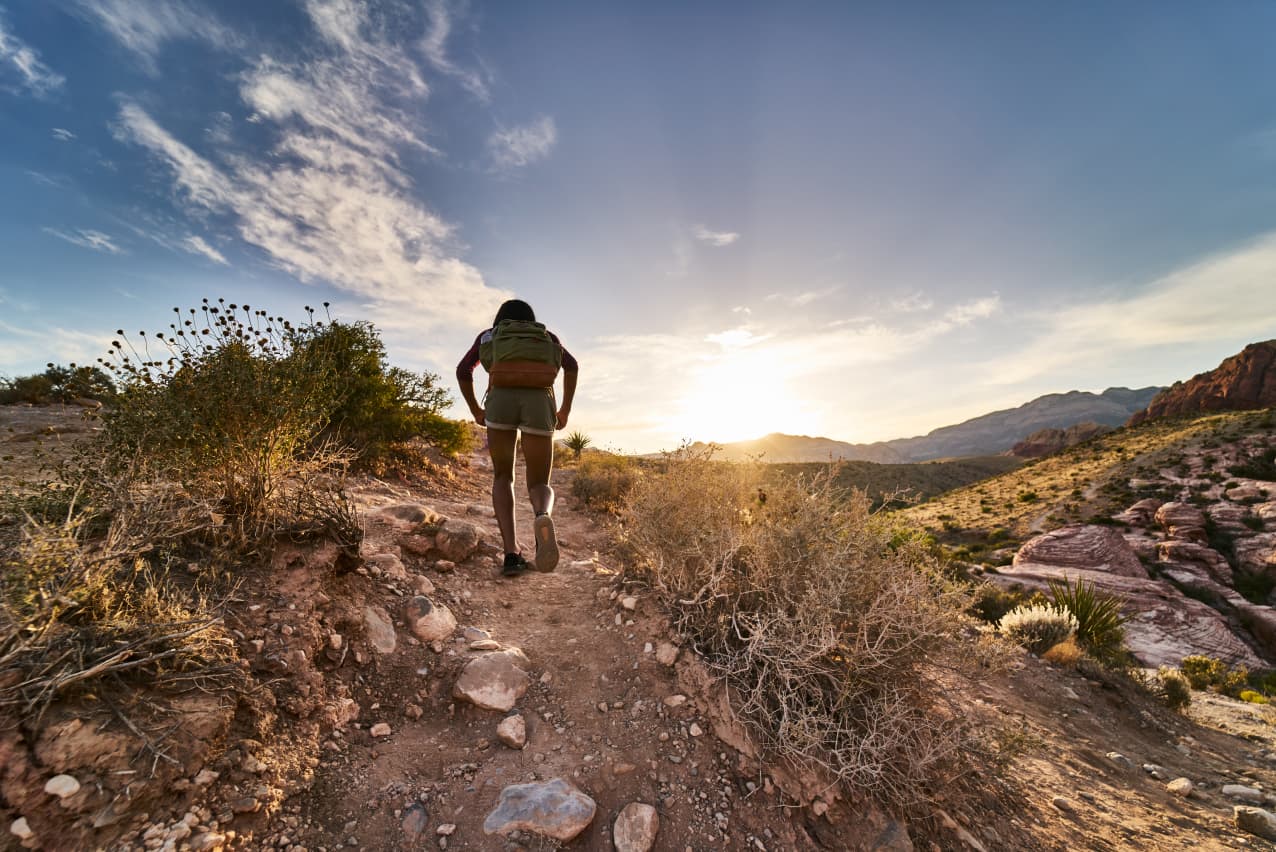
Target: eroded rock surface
[
  {"x": 554, "y": 808},
  {"x": 1091, "y": 547},
  {"x": 494, "y": 681}
]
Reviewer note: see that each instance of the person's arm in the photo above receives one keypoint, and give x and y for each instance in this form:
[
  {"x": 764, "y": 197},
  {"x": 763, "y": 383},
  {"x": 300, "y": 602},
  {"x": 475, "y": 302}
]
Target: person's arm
[
  {"x": 571, "y": 370},
  {"x": 465, "y": 379}
]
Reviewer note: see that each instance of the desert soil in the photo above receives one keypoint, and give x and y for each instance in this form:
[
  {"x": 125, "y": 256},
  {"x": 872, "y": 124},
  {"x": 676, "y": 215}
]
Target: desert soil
[{"x": 595, "y": 715}]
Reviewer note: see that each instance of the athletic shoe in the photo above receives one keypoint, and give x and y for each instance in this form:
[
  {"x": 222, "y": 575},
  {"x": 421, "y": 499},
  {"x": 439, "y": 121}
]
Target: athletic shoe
[
  {"x": 514, "y": 565},
  {"x": 546, "y": 543}
]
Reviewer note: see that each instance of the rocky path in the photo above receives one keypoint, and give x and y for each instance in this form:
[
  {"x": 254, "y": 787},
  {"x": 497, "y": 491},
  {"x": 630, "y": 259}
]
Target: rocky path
[{"x": 583, "y": 700}]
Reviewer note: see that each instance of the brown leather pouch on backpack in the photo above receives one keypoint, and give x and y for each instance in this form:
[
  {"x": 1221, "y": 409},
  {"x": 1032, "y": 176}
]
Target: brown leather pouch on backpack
[{"x": 523, "y": 374}]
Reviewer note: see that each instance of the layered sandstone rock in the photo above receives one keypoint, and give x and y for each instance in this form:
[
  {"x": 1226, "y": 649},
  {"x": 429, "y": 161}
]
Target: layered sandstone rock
[
  {"x": 1244, "y": 381},
  {"x": 1094, "y": 548}
]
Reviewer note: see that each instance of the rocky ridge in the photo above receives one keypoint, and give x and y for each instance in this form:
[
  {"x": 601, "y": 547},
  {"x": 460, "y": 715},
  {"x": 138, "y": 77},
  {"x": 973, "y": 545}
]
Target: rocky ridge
[{"x": 1242, "y": 382}]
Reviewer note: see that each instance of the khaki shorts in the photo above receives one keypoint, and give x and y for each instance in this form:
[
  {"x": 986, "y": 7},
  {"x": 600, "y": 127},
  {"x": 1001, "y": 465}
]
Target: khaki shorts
[{"x": 531, "y": 410}]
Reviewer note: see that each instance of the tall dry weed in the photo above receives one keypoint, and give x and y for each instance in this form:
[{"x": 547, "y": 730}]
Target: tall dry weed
[{"x": 829, "y": 626}]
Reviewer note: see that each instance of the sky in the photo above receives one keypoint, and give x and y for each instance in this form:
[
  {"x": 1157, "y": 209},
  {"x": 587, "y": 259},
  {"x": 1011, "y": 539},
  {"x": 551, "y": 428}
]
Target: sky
[{"x": 856, "y": 220}]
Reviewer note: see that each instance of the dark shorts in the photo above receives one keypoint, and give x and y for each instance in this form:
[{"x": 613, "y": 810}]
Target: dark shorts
[{"x": 530, "y": 410}]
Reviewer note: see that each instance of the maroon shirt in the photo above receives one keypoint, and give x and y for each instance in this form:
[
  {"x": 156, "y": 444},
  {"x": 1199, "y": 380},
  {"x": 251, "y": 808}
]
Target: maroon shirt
[{"x": 465, "y": 369}]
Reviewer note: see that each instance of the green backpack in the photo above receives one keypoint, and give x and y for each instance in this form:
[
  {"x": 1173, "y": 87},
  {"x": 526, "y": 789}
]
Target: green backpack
[{"x": 520, "y": 354}]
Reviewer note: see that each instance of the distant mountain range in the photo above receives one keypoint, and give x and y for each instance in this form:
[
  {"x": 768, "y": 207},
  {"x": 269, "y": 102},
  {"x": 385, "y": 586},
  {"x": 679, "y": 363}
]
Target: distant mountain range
[{"x": 989, "y": 434}]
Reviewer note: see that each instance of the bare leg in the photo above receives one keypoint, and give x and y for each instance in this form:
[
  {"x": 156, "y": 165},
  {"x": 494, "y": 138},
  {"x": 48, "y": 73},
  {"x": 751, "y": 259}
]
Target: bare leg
[
  {"x": 502, "y": 444},
  {"x": 538, "y": 452}
]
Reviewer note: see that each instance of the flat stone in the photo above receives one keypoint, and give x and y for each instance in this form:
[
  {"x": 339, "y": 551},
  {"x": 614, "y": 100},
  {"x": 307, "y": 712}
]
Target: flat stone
[
  {"x": 1064, "y": 804},
  {"x": 1120, "y": 760},
  {"x": 19, "y": 828},
  {"x": 666, "y": 653},
  {"x": 494, "y": 681},
  {"x": 635, "y": 828},
  {"x": 512, "y": 731},
  {"x": 380, "y": 630},
  {"x": 554, "y": 808},
  {"x": 62, "y": 786},
  {"x": 675, "y": 700},
  {"x": 1242, "y": 793},
  {"x": 380, "y": 729},
  {"x": 414, "y": 822},
  {"x": 629, "y": 602},
  {"x": 1255, "y": 821}
]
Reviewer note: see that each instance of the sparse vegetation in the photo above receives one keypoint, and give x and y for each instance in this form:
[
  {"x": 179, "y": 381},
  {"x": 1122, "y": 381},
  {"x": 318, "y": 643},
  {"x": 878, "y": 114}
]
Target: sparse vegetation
[
  {"x": 1212, "y": 673},
  {"x": 603, "y": 481},
  {"x": 1100, "y": 622},
  {"x": 823, "y": 619},
  {"x": 58, "y": 384},
  {"x": 577, "y": 442},
  {"x": 1038, "y": 627},
  {"x": 1172, "y": 688}
]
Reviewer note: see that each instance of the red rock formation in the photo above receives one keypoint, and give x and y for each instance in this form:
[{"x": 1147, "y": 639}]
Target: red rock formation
[
  {"x": 1092, "y": 548},
  {"x": 1244, "y": 381}
]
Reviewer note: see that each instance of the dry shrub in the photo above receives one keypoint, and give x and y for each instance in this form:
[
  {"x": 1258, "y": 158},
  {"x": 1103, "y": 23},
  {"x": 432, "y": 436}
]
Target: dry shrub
[
  {"x": 828, "y": 625},
  {"x": 1038, "y": 627},
  {"x": 1066, "y": 654},
  {"x": 603, "y": 481}
]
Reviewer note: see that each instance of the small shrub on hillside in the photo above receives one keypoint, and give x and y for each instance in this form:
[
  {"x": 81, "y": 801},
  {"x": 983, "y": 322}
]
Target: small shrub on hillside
[
  {"x": 1100, "y": 622},
  {"x": 577, "y": 442},
  {"x": 1252, "y": 697},
  {"x": 1254, "y": 522},
  {"x": 991, "y": 602},
  {"x": 1038, "y": 628},
  {"x": 827, "y": 626},
  {"x": 1259, "y": 466},
  {"x": 1212, "y": 673},
  {"x": 603, "y": 481},
  {"x": 57, "y": 384},
  {"x": 1172, "y": 687},
  {"x": 1065, "y": 654}
]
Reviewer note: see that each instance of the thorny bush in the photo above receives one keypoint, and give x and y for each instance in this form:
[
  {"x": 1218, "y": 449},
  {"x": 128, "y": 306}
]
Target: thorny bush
[{"x": 828, "y": 625}]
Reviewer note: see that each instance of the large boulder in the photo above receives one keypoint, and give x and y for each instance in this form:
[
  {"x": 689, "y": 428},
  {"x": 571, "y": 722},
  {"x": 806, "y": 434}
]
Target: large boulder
[
  {"x": 554, "y": 808},
  {"x": 1196, "y": 558},
  {"x": 1165, "y": 625},
  {"x": 1141, "y": 514},
  {"x": 1088, "y": 547},
  {"x": 1257, "y": 554},
  {"x": 1182, "y": 521},
  {"x": 494, "y": 681}
]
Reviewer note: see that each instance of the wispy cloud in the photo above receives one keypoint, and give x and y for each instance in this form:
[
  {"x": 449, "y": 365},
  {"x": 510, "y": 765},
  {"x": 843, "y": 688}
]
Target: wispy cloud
[
  {"x": 718, "y": 239},
  {"x": 912, "y": 303},
  {"x": 435, "y": 48},
  {"x": 144, "y": 26},
  {"x": 61, "y": 134},
  {"x": 333, "y": 202},
  {"x": 518, "y": 146},
  {"x": 33, "y": 343},
  {"x": 197, "y": 245},
  {"x": 804, "y": 297},
  {"x": 21, "y": 63},
  {"x": 95, "y": 240}
]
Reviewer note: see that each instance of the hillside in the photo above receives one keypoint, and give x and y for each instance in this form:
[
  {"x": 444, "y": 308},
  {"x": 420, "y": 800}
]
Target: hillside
[
  {"x": 359, "y": 729},
  {"x": 908, "y": 482},
  {"x": 988, "y": 434},
  {"x": 1245, "y": 381}
]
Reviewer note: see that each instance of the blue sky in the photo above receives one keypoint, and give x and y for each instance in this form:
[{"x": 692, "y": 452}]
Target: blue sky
[{"x": 857, "y": 220}]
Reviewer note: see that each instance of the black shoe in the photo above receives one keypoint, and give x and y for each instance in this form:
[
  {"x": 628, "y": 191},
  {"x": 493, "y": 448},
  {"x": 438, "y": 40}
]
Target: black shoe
[{"x": 514, "y": 565}]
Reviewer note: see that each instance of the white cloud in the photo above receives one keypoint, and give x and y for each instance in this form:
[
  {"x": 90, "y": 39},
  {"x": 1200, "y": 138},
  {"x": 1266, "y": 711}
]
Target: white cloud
[
  {"x": 95, "y": 240},
  {"x": 61, "y": 134},
  {"x": 333, "y": 202},
  {"x": 434, "y": 46},
  {"x": 197, "y": 245},
  {"x": 718, "y": 239},
  {"x": 144, "y": 26},
  {"x": 804, "y": 298},
  {"x": 17, "y": 59},
  {"x": 35, "y": 345},
  {"x": 519, "y": 146},
  {"x": 912, "y": 303}
]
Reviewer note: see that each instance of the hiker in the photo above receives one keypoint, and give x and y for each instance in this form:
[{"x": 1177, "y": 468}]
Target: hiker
[{"x": 522, "y": 359}]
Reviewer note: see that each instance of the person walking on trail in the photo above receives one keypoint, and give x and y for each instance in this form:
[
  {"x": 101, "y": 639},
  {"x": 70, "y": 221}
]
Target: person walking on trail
[{"x": 522, "y": 359}]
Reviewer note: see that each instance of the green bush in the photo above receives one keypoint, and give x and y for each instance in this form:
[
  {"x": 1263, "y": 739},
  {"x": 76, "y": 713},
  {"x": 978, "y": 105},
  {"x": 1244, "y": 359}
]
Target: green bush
[
  {"x": 991, "y": 602},
  {"x": 58, "y": 384},
  {"x": 1252, "y": 697},
  {"x": 1038, "y": 628},
  {"x": 1172, "y": 687},
  {"x": 1100, "y": 622},
  {"x": 1212, "y": 673}
]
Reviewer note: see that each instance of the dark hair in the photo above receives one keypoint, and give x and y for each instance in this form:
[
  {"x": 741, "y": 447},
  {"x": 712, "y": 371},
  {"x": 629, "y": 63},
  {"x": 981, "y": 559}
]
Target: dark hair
[{"x": 514, "y": 309}]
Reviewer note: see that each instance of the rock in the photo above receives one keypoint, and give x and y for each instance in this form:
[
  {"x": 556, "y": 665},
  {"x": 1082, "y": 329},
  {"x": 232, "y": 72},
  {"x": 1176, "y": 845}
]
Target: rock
[
  {"x": 389, "y": 565},
  {"x": 447, "y": 829},
  {"x": 1064, "y": 804},
  {"x": 1165, "y": 625},
  {"x": 1142, "y": 513},
  {"x": 1120, "y": 760},
  {"x": 428, "y": 621},
  {"x": 512, "y": 731},
  {"x": 408, "y": 516},
  {"x": 245, "y": 805},
  {"x": 695, "y": 730},
  {"x": 421, "y": 584},
  {"x": 19, "y": 828},
  {"x": 1257, "y": 553},
  {"x": 494, "y": 681},
  {"x": 1182, "y": 521},
  {"x": 1045, "y": 442},
  {"x": 380, "y": 729},
  {"x": 1265, "y": 511},
  {"x": 1180, "y": 787},
  {"x": 62, "y": 786},
  {"x": 1083, "y": 546},
  {"x": 376, "y": 623},
  {"x": 675, "y": 700},
  {"x": 1242, "y": 793},
  {"x": 1202, "y": 560},
  {"x": 629, "y": 602},
  {"x": 475, "y": 634},
  {"x": 208, "y": 841},
  {"x": 485, "y": 645},
  {"x": 444, "y": 566},
  {"x": 554, "y": 808},
  {"x": 1256, "y": 821},
  {"x": 414, "y": 822},
  {"x": 206, "y": 777},
  {"x": 1244, "y": 381},
  {"x": 456, "y": 541},
  {"x": 417, "y": 544},
  {"x": 635, "y": 828},
  {"x": 1246, "y": 492},
  {"x": 666, "y": 653}
]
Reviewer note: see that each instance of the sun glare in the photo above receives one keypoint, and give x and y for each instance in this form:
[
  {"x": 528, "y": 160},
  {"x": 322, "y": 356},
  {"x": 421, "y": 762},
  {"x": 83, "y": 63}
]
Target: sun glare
[{"x": 739, "y": 395}]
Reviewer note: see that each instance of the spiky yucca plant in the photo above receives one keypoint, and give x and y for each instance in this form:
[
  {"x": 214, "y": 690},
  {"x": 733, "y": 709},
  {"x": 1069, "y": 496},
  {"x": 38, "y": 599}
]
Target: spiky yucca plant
[
  {"x": 1100, "y": 622},
  {"x": 577, "y": 442}
]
